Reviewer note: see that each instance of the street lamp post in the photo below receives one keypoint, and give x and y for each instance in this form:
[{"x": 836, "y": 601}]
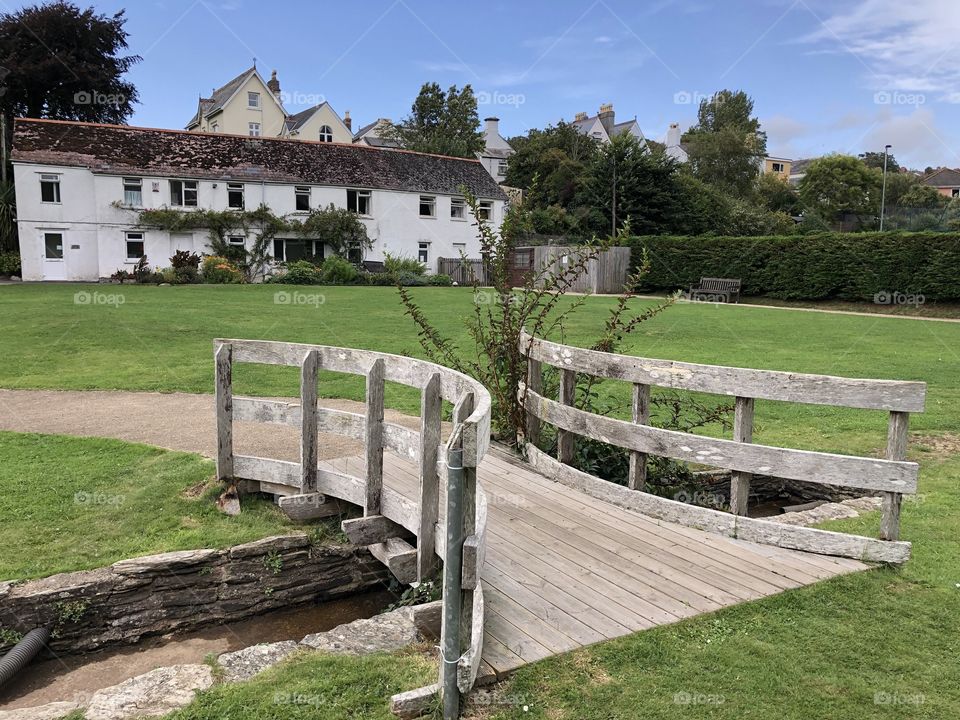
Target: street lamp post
[{"x": 883, "y": 193}]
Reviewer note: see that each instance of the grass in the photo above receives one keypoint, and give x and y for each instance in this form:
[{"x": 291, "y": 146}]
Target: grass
[
  {"x": 878, "y": 644},
  {"x": 82, "y": 503},
  {"x": 316, "y": 685}
]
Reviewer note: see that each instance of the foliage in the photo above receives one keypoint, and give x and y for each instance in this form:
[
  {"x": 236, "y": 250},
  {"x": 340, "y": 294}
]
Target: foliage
[
  {"x": 838, "y": 185},
  {"x": 774, "y": 193},
  {"x": 875, "y": 160},
  {"x": 427, "y": 591},
  {"x": 442, "y": 124},
  {"x": 184, "y": 258},
  {"x": 337, "y": 271},
  {"x": 638, "y": 184},
  {"x": 299, "y": 272},
  {"x": 64, "y": 63},
  {"x": 747, "y": 219},
  {"x": 338, "y": 228},
  {"x": 726, "y": 145},
  {"x": 497, "y": 360},
  {"x": 847, "y": 266},
  {"x": 8, "y": 212},
  {"x": 10, "y": 263},
  {"x": 395, "y": 264},
  {"x": 218, "y": 270},
  {"x": 551, "y": 164}
]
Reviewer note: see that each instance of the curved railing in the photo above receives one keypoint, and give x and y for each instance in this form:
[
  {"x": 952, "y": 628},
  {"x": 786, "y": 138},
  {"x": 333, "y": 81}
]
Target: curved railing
[
  {"x": 892, "y": 477},
  {"x": 388, "y": 516}
]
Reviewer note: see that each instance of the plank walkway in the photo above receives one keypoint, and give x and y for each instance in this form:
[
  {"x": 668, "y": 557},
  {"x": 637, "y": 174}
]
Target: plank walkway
[{"x": 564, "y": 570}]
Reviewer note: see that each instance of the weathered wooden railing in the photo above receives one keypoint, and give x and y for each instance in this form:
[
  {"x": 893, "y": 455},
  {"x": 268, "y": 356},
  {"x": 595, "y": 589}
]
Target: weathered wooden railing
[
  {"x": 893, "y": 476},
  {"x": 389, "y": 517}
]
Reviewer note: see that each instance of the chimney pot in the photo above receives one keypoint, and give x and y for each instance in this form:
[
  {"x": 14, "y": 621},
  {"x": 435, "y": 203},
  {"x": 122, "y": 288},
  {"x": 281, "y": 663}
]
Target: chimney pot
[
  {"x": 348, "y": 121},
  {"x": 580, "y": 116}
]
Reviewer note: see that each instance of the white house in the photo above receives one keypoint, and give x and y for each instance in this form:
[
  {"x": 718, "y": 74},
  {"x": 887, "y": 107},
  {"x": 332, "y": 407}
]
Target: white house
[
  {"x": 604, "y": 126},
  {"x": 80, "y": 187},
  {"x": 496, "y": 151}
]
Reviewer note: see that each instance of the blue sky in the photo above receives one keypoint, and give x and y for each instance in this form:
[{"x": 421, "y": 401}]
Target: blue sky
[{"x": 826, "y": 75}]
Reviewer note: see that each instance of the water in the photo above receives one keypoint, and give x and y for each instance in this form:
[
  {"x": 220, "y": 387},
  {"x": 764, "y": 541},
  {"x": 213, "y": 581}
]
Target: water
[{"x": 77, "y": 676}]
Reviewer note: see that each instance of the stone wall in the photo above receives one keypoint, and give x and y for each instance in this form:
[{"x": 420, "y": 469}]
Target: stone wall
[{"x": 174, "y": 591}]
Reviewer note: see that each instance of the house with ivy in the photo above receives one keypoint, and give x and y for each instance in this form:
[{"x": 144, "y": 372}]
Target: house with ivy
[{"x": 94, "y": 198}]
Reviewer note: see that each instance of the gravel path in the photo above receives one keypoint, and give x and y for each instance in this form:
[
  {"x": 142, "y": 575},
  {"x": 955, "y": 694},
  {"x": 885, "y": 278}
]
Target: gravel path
[{"x": 177, "y": 421}]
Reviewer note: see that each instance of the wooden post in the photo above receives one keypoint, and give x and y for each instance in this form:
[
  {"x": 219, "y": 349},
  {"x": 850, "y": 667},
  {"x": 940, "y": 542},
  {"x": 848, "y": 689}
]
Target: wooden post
[
  {"x": 896, "y": 450},
  {"x": 430, "y": 407},
  {"x": 742, "y": 432},
  {"x": 565, "y": 438},
  {"x": 224, "y": 403},
  {"x": 467, "y": 523},
  {"x": 641, "y": 414},
  {"x": 535, "y": 383},
  {"x": 308, "y": 423},
  {"x": 374, "y": 438}
]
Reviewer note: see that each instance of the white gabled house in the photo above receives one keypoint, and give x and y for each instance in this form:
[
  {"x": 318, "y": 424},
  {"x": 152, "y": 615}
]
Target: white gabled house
[{"x": 80, "y": 187}]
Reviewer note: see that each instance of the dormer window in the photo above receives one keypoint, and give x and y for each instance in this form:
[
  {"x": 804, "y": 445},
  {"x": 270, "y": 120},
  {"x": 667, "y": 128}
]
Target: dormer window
[
  {"x": 326, "y": 133},
  {"x": 253, "y": 100}
]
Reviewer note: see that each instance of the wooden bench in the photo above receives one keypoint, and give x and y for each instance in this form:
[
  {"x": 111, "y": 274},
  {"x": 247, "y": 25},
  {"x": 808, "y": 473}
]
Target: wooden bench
[{"x": 715, "y": 290}]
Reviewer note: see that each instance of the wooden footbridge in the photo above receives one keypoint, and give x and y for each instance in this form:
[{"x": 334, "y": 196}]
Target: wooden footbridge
[{"x": 541, "y": 558}]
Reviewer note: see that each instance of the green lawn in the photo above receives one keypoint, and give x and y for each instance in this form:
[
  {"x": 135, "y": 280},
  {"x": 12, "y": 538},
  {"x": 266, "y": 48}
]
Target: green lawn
[
  {"x": 874, "y": 645},
  {"x": 80, "y": 503}
]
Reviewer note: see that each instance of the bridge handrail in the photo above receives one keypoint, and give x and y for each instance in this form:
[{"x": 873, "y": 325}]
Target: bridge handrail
[
  {"x": 471, "y": 434},
  {"x": 892, "y": 477}
]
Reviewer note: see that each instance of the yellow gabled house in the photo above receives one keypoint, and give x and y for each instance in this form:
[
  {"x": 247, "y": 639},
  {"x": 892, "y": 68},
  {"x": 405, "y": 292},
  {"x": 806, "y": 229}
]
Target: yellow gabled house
[{"x": 249, "y": 105}]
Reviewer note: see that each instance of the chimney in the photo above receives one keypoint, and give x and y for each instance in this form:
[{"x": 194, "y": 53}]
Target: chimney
[
  {"x": 273, "y": 84},
  {"x": 606, "y": 118},
  {"x": 492, "y": 126},
  {"x": 348, "y": 121},
  {"x": 673, "y": 135},
  {"x": 579, "y": 117}
]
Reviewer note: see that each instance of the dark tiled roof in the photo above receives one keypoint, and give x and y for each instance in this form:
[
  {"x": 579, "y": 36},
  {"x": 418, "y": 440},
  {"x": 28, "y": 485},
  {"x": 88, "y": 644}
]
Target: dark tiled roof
[
  {"x": 944, "y": 177},
  {"x": 297, "y": 120},
  {"x": 220, "y": 96},
  {"x": 364, "y": 130},
  {"x": 124, "y": 150}
]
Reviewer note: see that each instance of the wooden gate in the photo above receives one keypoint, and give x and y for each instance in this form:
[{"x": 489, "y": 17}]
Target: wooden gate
[{"x": 521, "y": 266}]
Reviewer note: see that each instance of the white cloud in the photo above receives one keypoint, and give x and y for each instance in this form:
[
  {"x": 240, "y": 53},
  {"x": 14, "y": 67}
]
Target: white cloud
[{"x": 904, "y": 45}]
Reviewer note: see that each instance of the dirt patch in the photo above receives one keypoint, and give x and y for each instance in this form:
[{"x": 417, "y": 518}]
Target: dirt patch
[{"x": 940, "y": 447}]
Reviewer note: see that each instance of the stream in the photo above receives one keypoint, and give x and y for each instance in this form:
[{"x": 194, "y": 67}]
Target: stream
[{"x": 73, "y": 676}]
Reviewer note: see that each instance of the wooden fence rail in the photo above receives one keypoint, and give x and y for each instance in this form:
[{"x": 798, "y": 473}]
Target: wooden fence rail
[
  {"x": 387, "y": 516},
  {"x": 891, "y": 477},
  {"x": 464, "y": 271}
]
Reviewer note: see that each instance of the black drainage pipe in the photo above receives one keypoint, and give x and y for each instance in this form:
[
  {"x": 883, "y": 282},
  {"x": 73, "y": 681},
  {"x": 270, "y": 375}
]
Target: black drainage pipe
[{"x": 22, "y": 653}]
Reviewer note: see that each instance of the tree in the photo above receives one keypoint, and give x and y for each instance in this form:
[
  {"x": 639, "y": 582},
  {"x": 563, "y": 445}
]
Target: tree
[
  {"x": 628, "y": 185},
  {"x": 875, "y": 160},
  {"x": 442, "y": 124},
  {"x": 726, "y": 145},
  {"x": 551, "y": 164},
  {"x": 838, "y": 185},
  {"x": 775, "y": 194},
  {"x": 65, "y": 63}
]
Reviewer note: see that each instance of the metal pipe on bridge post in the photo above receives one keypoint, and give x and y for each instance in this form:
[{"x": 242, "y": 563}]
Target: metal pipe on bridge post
[{"x": 452, "y": 577}]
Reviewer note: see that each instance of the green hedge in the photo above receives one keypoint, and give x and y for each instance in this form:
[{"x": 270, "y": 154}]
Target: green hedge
[{"x": 844, "y": 266}]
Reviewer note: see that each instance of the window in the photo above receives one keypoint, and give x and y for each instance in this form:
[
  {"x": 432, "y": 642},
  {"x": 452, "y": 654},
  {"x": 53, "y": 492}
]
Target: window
[
  {"x": 428, "y": 206},
  {"x": 235, "y": 240},
  {"x": 777, "y": 167},
  {"x": 53, "y": 246},
  {"x": 326, "y": 133},
  {"x": 359, "y": 201},
  {"x": 458, "y": 208},
  {"x": 133, "y": 191},
  {"x": 235, "y": 195},
  {"x": 955, "y": 192},
  {"x": 423, "y": 252},
  {"x": 302, "y": 194},
  {"x": 254, "y": 129},
  {"x": 460, "y": 249},
  {"x": 293, "y": 250},
  {"x": 50, "y": 188},
  {"x": 135, "y": 246},
  {"x": 485, "y": 210},
  {"x": 253, "y": 99},
  {"x": 278, "y": 253},
  {"x": 183, "y": 193},
  {"x": 214, "y": 128},
  {"x": 502, "y": 167}
]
